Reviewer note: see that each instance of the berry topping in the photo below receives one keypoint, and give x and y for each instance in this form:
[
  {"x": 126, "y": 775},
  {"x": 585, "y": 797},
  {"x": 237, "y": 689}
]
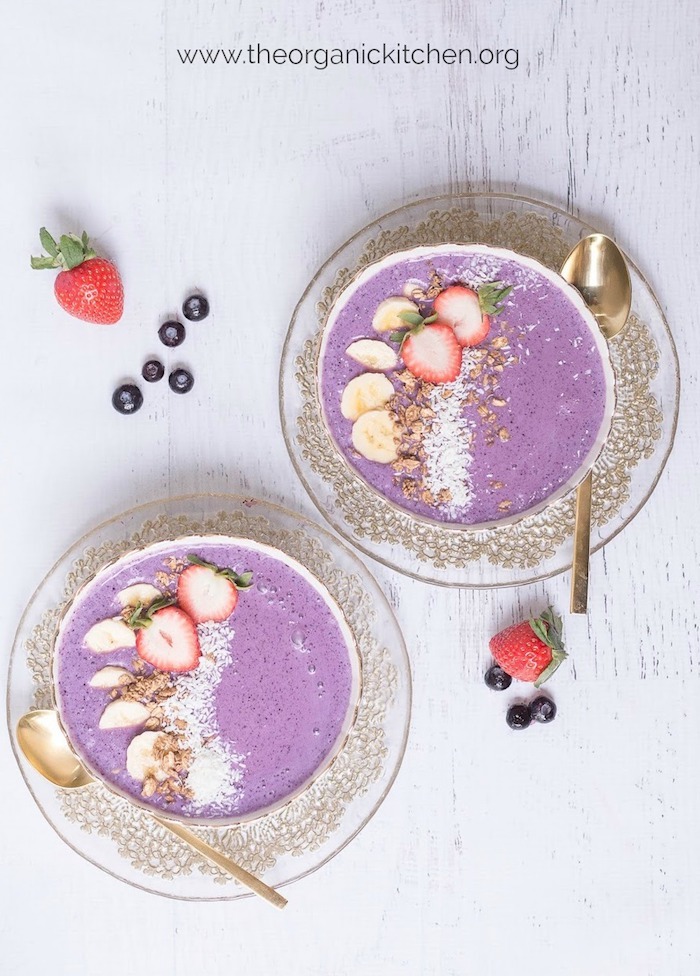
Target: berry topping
[
  {"x": 195, "y": 307},
  {"x": 469, "y": 312},
  {"x": 543, "y": 709},
  {"x": 532, "y": 650},
  {"x": 432, "y": 353},
  {"x": 127, "y": 398},
  {"x": 172, "y": 334},
  {"x": 206, "y": 592},
  {"x": 166, "y": 637},
  {"x": 181, "y": 381},
  {"x": 87, "y": 287},
  {"x": 497, "y": 679},
  {"x": 153, "y": 371},
  {"x": 518, "y": 716}
]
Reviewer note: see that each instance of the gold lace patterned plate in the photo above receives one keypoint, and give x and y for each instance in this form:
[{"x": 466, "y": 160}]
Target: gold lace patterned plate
[
  {"x": 643, "y": 426},
  {"x": 302, "y": 835}
]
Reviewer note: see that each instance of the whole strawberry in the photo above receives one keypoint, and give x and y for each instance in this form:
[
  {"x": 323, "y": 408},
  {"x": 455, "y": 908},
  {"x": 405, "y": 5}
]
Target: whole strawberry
[
  {"x": 532, "y": 650},
  {"x": 88, "y": 287}
]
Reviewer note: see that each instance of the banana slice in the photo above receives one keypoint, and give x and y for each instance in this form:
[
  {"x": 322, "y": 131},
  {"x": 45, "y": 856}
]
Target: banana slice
[
  {"x": 110, "y": 677},
  {"x": 140, "y": 594},
  {"x": 110, "y": 635},
  {"x": 375, "y": 436},
  {"x": 386, "y": 318},
  {"x": 123, "y": 714},
  {"x": 365, "y": 392},
  {"x": 140, "y": 759},
  {"x": 372, "y": 353}
]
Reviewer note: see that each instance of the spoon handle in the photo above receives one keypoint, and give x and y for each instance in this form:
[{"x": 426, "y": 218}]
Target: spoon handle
[
  {"x": 239, "y": 873},
  {"x": 582, "y": 546}
]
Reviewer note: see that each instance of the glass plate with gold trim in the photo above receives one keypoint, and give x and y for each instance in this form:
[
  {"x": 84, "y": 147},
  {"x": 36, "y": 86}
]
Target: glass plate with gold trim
[
  {"x": 535, "y": 547},
  {"x": 290, "y": 842}
]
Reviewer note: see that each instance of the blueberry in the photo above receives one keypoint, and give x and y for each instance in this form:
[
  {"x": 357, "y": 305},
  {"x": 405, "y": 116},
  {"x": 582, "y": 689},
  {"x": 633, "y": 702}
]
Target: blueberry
[
  {"x": 543, "y": 709},
  {"x": 127, "y": 398},
  {"x": 195, "y": 307},
  {"x": 171, "y": 334},
  {"x": 153, "y": 371},
  {"x": 497, "y": 679},
  {"x": 518, "y": 716},
  {"x": 181, "y": 381}
]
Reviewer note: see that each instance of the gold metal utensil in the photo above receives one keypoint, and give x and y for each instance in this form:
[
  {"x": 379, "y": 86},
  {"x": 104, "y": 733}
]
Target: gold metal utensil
[
  {"x": 597, "y": 269},
  {"x": 44, "y": 744}
]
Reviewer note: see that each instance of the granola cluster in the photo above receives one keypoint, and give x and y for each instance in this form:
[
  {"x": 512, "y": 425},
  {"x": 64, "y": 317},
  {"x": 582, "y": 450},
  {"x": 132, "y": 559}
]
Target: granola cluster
[
  {"x": 171, "y": 756},
  {"x": 412, "y": 410},
  {"x": 173, "y": 760}
]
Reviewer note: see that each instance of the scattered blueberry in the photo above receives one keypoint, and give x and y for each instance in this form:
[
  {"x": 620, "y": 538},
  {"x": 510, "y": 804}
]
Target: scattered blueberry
[
  {"x": 497, "y": 679},
  {"x": 153, "y": 371},
  {"x": 195, "y": 307},
  {"x": 543, "y": 709},
  {"x": 171, "y": 333},
  {"x": 127, "y": 398},
  {"x": 518, "y": 716},
  {"x": 181, "y": 381}
]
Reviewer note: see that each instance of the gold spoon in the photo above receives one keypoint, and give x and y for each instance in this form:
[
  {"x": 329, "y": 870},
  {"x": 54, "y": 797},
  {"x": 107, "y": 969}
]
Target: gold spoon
[
  {"x": 597, "y": 269},
  {"x": 43, "y": 742}
]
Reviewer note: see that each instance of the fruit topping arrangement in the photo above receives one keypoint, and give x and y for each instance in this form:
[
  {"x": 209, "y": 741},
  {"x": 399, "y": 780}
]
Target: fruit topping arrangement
[
  {"x": 167, "y": 692},
  {"x": 87, "y": 287},
  {"x": 443, "y": 356},
  {"x": 531, "y": 650}
]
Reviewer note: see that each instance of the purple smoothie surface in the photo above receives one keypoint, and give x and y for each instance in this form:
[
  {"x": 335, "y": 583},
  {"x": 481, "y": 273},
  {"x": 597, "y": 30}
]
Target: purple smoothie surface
[
  {"x": 283, "y": 703},
  {"x": 555, "y": 387}
]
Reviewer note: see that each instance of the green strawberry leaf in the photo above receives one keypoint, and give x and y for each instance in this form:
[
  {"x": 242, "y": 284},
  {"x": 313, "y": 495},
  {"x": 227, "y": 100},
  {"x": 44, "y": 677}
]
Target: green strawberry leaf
[
  {"x": 44, "y": 262},
  {"x": 48, "y": 243},
  {"x": 430, "y": 318},
  {"x": 491, "y": 297},
  {"x": 85, "y": 240},
  {"x": 72, "y": 251},
  {"x": 548, "y": 627},
  {"x": 397, "y": 336},
  {"x": 412, "y": 318},
  {"x": 242, "y": 582},
  {"x": 142, "y": 616}
]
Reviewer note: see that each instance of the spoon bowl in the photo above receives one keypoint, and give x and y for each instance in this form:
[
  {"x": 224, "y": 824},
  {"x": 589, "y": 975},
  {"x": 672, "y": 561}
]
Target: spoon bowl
[
  {"x": 597, "y": 269},
  {"x": 43, "y": 742}
]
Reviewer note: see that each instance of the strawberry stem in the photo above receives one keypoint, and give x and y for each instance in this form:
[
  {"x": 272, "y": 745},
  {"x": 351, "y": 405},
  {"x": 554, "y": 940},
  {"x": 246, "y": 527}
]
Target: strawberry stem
[
  {"x": 242, "y": 581},
  {"x": 68, "y": 253},
  {"x": 548, "y": 627},
  {"x": 143, "y": 616}
]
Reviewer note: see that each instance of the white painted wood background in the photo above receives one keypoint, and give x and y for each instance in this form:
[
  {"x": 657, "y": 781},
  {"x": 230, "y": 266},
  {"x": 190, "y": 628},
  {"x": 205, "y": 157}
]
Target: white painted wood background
[{"x": 572, "y": 849}]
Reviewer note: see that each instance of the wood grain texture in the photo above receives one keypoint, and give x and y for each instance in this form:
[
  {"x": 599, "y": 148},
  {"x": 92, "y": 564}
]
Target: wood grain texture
[{"x": 568, "y": 849}]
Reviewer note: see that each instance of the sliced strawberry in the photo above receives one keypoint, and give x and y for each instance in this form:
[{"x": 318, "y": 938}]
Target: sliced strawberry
[
  {"x": 169, "y": 641},
  {"x": 433, "y": 354},
  {"x": 460, "y": 307},
  {"x": 205, "y": 594}
]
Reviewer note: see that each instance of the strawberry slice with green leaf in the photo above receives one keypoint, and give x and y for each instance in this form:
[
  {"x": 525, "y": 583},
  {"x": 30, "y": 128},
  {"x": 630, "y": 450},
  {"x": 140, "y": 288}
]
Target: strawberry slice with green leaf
[
  {"x": 429, "y": 351},
  {"x": 166, "y": 637},
  {"x": 469, "y": 312},
  {"x": 207, "y": 592}
]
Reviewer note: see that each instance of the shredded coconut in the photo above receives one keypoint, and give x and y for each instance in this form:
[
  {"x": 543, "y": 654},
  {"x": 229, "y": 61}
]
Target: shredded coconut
[
  {"x": 448, "y": 441},
  {"x": 216, "y": 769}
]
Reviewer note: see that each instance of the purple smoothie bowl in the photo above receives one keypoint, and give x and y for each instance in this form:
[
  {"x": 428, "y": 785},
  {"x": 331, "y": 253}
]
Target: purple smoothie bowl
[
  {"x": 560, "y": 391},
  {"x": 288, "y": 699}
]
